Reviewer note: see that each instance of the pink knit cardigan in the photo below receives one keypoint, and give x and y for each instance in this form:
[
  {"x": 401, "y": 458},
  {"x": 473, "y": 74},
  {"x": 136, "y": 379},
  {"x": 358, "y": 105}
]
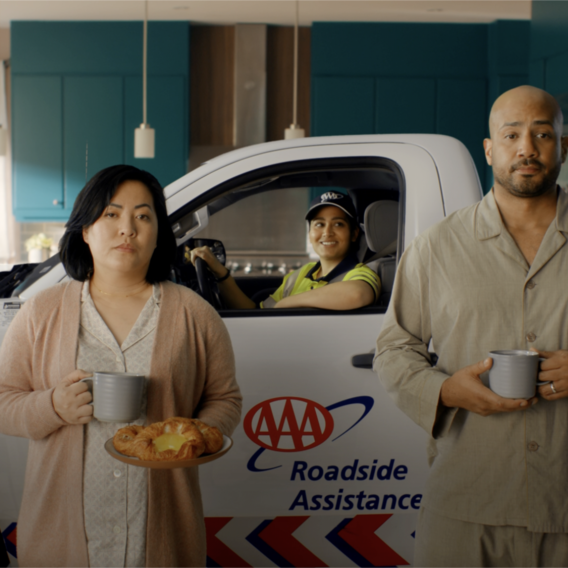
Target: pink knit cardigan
[{"x": 192, "y": 374}]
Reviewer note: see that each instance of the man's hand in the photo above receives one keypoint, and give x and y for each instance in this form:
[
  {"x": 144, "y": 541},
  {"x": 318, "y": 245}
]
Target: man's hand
[
  {"x": 554, "y": 369},
  {"x": 71, "y": 399},
  {"x": 464, "y": 389}
]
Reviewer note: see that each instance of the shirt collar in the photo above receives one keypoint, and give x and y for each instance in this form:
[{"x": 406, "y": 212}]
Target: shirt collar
[
  {"x": 347, "y": 264},
  {"x": 156, "y": 292},
  {"x": 488, "y": 222}
]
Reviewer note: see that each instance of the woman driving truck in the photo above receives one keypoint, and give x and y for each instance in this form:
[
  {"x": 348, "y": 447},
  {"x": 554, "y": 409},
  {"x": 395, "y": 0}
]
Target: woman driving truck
[{"x": 337, "y": 282}]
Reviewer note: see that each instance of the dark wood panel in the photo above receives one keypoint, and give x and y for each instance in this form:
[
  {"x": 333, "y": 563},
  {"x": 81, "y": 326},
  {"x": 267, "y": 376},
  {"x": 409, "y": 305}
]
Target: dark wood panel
[
  {"x": 279, "y": 80},
  {"x": 211, "y": 85}
]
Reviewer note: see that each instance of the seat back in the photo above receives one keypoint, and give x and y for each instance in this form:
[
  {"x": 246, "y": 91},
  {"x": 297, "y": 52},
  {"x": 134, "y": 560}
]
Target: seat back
[
  {"x": 381, "y": 227},
  {"x": 381, "y": 234}
]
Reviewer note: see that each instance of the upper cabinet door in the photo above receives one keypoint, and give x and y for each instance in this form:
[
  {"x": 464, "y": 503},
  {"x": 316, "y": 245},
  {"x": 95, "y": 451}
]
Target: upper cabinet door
[
  {"x": 37, "y": 146},
  {"x": 343, "y": 105},
  {"x": 93, "y": 129}
]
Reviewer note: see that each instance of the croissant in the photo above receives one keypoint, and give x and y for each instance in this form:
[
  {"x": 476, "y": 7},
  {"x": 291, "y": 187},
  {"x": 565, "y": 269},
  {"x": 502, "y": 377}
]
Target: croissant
[
  {"x": 174, "y": 439},
  {"x": 212, "y": 436}
]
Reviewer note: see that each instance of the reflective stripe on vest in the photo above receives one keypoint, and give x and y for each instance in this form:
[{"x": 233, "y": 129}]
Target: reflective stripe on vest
[{"x": 290, "y": 284}]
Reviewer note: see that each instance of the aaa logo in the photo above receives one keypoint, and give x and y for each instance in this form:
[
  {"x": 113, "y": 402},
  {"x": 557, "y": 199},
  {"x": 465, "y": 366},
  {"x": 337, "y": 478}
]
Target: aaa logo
[{"x": 288, "y": 424}]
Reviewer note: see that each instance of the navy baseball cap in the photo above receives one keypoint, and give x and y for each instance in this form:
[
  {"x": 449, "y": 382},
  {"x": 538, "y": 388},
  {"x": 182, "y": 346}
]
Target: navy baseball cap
[{"x": 334, "y": 198}]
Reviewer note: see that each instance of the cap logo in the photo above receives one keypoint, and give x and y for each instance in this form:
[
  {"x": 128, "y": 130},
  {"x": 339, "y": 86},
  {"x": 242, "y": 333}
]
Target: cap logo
[{"x": 330, "y": 196}]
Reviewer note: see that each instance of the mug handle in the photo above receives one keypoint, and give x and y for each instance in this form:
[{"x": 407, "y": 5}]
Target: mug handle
[
  {"x": 89, "y": 381},
  {"x": 538, "y": 383}
]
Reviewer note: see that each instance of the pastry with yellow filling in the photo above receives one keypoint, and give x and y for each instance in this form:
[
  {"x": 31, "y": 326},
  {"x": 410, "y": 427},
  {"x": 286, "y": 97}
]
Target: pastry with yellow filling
[
  {"x": 124, "y": 437},
  {"x": 174, "y": 439}
]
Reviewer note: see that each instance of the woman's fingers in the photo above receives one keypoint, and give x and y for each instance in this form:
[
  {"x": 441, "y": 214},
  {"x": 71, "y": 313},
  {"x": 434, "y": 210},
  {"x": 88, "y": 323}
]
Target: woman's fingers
[
  {"x": 76, "y": 376},
  {"x": 209, "y": 258},
  {"x": 201, "y": 252},
  {"x": 84, "y": 398},
  {"x": 71, "y": 398}
]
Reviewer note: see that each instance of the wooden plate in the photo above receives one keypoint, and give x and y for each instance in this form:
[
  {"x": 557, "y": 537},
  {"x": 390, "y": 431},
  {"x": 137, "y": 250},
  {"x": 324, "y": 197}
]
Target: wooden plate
[{"x": 227, "y": 443}]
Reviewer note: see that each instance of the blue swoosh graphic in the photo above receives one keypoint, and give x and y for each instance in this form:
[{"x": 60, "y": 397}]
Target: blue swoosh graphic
[
  {"x": 366, "y": 401},
  {"x": 252, "y": 467}
]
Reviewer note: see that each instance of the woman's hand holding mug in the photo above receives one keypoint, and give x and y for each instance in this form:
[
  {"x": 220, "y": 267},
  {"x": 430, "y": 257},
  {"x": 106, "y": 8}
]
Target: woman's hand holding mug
[{"x": 71, "y": 398}]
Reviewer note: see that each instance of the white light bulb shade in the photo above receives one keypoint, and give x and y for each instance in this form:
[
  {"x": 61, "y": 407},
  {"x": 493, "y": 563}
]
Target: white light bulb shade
[
  {"x": 144, "y": 142},
  {"x": 294, "y": 132},
  {"x": 3, "y": 141}
]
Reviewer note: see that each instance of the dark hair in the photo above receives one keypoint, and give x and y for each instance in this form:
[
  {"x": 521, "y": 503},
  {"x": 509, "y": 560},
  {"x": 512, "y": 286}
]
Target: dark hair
[{"x": 90, "y": 204}]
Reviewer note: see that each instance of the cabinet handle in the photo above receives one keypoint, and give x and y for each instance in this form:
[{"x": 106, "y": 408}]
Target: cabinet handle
[{"x": 56, "y": 202}]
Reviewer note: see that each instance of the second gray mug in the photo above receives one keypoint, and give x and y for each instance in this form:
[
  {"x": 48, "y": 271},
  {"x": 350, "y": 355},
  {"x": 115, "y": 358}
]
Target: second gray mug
[{"x": 514, "y": 373}]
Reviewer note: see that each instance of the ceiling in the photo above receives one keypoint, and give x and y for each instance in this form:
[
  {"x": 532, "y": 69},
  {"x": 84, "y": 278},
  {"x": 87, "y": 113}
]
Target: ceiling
[{"x": 280, "y": 12}]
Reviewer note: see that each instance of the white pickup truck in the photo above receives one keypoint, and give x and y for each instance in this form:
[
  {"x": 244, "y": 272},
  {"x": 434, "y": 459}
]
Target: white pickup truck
[{"x": 325, "y": 470}]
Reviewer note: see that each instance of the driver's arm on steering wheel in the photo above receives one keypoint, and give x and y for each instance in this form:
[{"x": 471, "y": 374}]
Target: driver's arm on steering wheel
[{"x": 232, "y": 295}]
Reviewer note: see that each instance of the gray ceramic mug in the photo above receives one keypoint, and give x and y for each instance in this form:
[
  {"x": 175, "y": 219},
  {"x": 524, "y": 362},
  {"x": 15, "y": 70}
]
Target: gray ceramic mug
[
  {"x": 514, "y": 373},
  {"x": 117, "y": 397}
]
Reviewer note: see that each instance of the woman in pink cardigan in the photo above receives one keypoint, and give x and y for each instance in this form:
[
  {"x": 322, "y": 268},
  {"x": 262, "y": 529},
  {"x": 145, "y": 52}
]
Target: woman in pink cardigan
[{"x": 118, "y": 313}]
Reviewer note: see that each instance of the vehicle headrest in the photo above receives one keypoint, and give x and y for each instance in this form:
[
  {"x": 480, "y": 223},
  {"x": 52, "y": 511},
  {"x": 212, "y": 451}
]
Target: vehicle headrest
[{"x": 381, "y": 227}]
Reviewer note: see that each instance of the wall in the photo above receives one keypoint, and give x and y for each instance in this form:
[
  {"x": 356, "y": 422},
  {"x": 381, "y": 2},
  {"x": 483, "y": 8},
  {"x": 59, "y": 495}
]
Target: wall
[
  {"x": 280, "y": 80},
  {"x": 415, "y": 78},
  {"x": 212, "y": 117},
  {"x": 212, "y": 87},
  {"x": 4, "y": 43}
]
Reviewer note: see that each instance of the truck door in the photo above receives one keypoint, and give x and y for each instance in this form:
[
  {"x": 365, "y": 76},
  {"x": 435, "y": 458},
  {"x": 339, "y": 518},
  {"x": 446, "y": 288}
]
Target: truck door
[{"x": 325, "y": 470}]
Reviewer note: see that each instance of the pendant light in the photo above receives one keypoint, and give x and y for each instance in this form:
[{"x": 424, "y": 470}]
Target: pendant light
[
  {"x": 295, "y": 130},
  {"x": 144, "y": 136}
]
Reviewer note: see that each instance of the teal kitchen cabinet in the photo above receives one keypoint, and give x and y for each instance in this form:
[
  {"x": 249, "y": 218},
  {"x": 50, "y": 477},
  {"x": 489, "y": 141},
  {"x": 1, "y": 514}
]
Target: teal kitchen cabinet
[
  {"x": 65, "y": 130},
  {"x": 37, "y": 147},
  {"x": 438, "y": 78},
  {"x": 343, "y": 105},
  {"x": 461, "y": 112},
  {"x": 93, "y": 133},
  {"x": 77, "y": 99},
  {"x": 405, "y": 105}
]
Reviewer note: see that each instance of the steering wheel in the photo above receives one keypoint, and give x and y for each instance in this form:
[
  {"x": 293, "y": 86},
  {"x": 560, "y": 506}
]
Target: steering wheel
[{"x": 207, "y": 286}]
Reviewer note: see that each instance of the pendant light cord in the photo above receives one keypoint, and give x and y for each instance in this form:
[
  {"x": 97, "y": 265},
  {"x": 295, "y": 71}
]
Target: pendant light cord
[
  {"x": 144, "y": 61},
  {"x": 295, "y": 103}
]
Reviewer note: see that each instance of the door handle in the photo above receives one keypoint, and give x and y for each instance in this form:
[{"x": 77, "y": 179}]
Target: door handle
[{"x": 363, "y": 360}]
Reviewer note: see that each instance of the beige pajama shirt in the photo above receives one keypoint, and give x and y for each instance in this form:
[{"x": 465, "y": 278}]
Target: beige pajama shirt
[{"x": 465, "y": 285}]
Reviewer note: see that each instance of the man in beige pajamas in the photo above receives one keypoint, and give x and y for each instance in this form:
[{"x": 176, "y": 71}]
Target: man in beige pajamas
[{"x": 491, "y": 276}]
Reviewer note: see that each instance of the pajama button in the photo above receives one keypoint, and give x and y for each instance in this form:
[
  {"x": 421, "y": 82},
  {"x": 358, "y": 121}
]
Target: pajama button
[
  {"x": 533, "y": 446},
  {"x": 116, "y": 530},
  {"x": 531, "y": 285},
  {"x": 117, "y": 473},
  {"x": 531, "y": 337}
]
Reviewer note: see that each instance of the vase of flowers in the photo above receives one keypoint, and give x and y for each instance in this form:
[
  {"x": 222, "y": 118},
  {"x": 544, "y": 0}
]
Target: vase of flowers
[{"x": 38, "y": 247}]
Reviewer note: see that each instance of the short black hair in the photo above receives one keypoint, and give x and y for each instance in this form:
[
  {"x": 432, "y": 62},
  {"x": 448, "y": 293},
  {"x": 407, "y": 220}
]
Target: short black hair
[{"x": 90, "y": 204}]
